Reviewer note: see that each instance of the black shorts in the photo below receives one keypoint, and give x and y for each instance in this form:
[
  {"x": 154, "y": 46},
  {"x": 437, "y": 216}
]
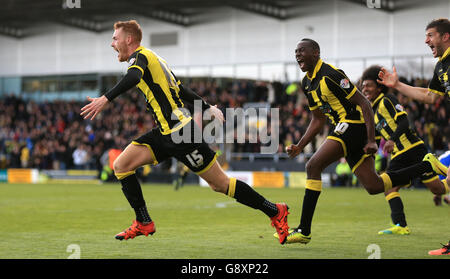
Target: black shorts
[
  {"x": 353, "y": 141},
  {"x": 411, "y": 157},
  {"x": 198, "y": 157}
]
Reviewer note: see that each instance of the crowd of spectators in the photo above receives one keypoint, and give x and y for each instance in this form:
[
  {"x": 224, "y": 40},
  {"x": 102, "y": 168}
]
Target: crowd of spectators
[{"x": 52, "y": 135}]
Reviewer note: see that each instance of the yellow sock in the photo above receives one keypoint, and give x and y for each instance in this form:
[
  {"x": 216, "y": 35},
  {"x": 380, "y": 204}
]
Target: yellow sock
[
  {"x": 313, "y": 184},
  {"x": 232, "y": 187},
  {"x": 123, "y": 175},
  {"x": 386, "y": 181},
  {"x": 392, "y": 195}
]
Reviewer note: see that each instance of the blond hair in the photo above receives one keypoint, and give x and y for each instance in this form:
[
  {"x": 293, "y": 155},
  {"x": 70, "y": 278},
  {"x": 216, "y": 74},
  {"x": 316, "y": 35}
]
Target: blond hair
[{"x": 131, "y": 27}]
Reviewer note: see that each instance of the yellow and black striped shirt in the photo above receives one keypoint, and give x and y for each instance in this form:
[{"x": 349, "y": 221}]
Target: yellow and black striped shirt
[
  {"x": 440, "y": 84},
  {"x": 329, "y": 90},
  {"x": 386, "y": 111},
  {"x": 161, "y": 90}
]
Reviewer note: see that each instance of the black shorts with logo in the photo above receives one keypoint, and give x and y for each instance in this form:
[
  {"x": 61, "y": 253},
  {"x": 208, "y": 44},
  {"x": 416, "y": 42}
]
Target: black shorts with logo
[
  {"x": 353, "y": 141},
  {"x": 197, "y": 156}
]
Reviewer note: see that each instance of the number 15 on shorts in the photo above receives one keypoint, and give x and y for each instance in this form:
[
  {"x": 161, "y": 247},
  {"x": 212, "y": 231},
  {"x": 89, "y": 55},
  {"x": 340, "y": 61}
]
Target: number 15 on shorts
[{"x": 195, "y": 158}]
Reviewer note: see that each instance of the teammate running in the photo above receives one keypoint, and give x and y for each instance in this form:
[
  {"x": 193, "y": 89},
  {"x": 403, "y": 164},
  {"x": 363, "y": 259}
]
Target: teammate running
[
  {"x": 405, "y": 147},
  {"x": 437, "y": 37},
  {"x": 331, "y": 95}
]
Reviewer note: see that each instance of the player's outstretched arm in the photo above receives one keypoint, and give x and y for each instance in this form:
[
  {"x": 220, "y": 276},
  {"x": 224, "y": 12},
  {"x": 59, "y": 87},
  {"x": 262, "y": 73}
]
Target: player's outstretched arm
[
  {"x": 96, "y": 105},
  {"x": 314, "y": 127},
  {"x": 417, "y": 93}
]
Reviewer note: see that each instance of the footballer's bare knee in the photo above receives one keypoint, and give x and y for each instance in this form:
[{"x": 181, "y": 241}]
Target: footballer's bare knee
[
  {"x": 373, "y": 190},
  {"x": 217, "y": 179},
  {"x": 133, "y": 157},
  {"x": 217, "y": 188},
  {"x": 220, "y": 186},
  {"x": 119, "y": 166},
  {"x": 372, "y": 184},
  {"x": 313, "y": 168}
]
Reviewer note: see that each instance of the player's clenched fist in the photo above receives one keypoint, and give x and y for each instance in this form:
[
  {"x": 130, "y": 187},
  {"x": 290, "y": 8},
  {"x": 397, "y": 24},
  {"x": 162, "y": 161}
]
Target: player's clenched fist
[
  {"x": 371, "y": 148},
  {"x": 293, "y": 150}
]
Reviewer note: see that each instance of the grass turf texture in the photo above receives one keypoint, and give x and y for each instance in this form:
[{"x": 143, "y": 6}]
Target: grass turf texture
[{"x": 41, "y": 221}]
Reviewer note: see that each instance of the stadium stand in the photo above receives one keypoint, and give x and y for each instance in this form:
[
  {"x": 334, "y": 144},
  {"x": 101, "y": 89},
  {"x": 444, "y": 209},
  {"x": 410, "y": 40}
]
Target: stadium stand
[{"x": 51, "y": 135}]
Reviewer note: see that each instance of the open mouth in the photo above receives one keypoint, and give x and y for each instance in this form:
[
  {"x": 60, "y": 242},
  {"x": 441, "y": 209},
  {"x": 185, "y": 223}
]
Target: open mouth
[
  {"x": 433, "y": 49},
  {"x": 301, "y": 62},
  {"x": 118, "y": 53}
]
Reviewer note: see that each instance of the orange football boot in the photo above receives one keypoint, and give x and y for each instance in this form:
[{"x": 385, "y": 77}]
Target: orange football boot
[
  {"x": 136, "y": 229},
  {"x": 445, "y": 250},
  {"x": 280, "y": 223}
]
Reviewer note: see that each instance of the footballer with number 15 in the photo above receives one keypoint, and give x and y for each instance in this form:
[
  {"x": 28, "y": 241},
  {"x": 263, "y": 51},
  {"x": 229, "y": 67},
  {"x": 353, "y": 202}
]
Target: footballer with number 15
[{"x": 166, "y": 98}]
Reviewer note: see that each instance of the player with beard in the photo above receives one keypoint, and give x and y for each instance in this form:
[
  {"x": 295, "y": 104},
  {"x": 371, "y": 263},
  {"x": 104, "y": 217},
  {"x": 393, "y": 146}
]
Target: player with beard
[{"x": 437, "y": 37}]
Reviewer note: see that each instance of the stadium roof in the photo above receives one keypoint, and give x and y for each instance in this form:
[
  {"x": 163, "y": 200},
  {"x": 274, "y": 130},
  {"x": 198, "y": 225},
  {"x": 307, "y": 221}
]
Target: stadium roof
[{"x": 17, "y": 17}]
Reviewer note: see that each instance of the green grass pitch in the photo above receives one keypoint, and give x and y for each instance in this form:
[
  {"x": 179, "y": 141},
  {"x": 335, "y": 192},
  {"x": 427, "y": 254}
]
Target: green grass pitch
[{"x": 41, "y": 222}]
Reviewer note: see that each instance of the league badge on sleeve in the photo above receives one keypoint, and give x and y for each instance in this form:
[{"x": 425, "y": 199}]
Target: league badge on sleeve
[
  {"x": 131, "y": 61},
  {"x": 345, "y": 83},
  {"x": 399, "y": 107}
]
